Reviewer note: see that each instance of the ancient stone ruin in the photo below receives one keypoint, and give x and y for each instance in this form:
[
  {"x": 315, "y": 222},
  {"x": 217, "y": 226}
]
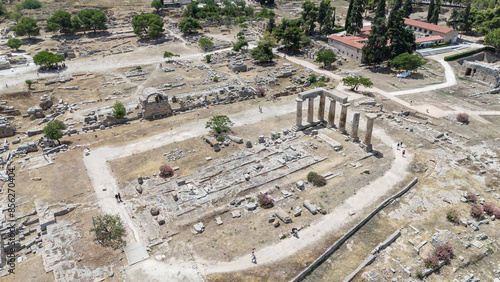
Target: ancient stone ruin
[
  {"x": 154, "y": 104},
  {"x": 483, "y": 68}
]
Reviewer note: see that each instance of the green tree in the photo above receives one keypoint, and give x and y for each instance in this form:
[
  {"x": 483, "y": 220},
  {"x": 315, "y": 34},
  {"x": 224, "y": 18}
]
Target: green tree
[
  {"x": 148, "y": 25},
  {"x": 157, "y": 5},
  {"x": 271, "y": 24},
  {"x": 3, "y": 10},
  {"x": 267, "y": 2},
  {"x": 289, "y": 33},
  {"x": 29, "y": 82},
  {"x": 435, "y": 13},
  {"x": 348, "y": 15},
  {"x": 93, "y": 19},
  {"x": 208, "y": 58},
  {"x": 408, "y": 62},
  {"x": 407, "y": 8},
  {"x": 14, "y": 43},
  {"x": 356, "y": 21},
  {"x": 460, "y": 19},
  {"x": 219, "y": 124},
  {"x": 402, "y": 39},
  {"x": 15, "y": 16},
  {"x": 205, "y": 43},
  {"x": 430, "y": 11},
  {"x": 240, "y": 44},
  {"x": 376, "y": 50},
  {"x": 355, "y": 81},
  {"x": 60, "y": 21},
  {"x": 31, "y": 4},
  {"x": 326, "y": 17},
  {"x": 189, "y": 24},
  {"x": 53, "y": 130},
  {"x": 47, "y": 59},
  {"x": 325, "y": 56},
  {"x": 27, "y": 26},
  {"x": 493, "y": 39},
  {"x": 169, "y": 54},
  {"x": 263, "y": 52},
  {"x": 119, "y": 110},
  {"x": 309, "y": 15},
  {"x": 109, "y": 230}
]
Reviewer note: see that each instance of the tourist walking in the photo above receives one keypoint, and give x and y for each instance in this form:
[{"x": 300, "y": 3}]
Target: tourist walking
[
  {"x": 120, "y": 197},
  {"x": 411, "y": 101},
  {"x": 254, "y": 259},
  {"x": 404, "y": 151},
  {"x": 116, "y": 197},
  {"x": 398, "y": 146}
]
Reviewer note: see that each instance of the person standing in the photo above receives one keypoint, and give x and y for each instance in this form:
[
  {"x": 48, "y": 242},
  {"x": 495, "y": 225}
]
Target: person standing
[
  {"x": 254, "y": 259},
  {"x": 398, "y": 146},
  {"x": 404, "y": 151},
  {"x": 120, "y": 197},
  {"x": 116, "y": 197}
]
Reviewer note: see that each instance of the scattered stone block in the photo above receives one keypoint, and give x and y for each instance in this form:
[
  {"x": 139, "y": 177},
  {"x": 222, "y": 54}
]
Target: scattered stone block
[
  {"x": 280, "y": 213},
  {"x": 310, "y": 207},
  {"x": 218, "y": 220},
  {"x": 477, "y": 244},
  {"x": 297, "y": 211},
  {"x": 248, "y": 144},
  {"x": 236, "y": 213},
  {"x": 160, "y": 220},
  {"x": 481, "y": 236},
  {"x": 271, "y": 218},
  {"x": 199, "y": 227},
  {"x": 251, "y": 206},
  {"x": 155, "y": 211},
  {"x": 300, "y": 185},
  {"x": 208, "y": 158}
]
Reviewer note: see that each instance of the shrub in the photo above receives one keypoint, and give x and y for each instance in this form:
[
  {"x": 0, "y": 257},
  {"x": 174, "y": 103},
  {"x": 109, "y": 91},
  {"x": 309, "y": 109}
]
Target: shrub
[
  {"x": 419, "y": 274},
  {"x": 477, "y": 211},
  {"x": 311, "y": 175},
  {"x": 138, "y": 68},
  {"x": 431, "y": 261},
  {"x": 444, "y": 251},
  {"x": 489, "y": 208},
  {"x": 260, "y": 91},
  {"x": 471, "y": 197},
  {"x": 452, "y": 216},
  {"x": 221, "y": 138},
  {"x": 208, "y": 58},
  {"x": 319, "y": 181},
  {"x": 216, "y": 79},
  {"x": 463, "y": 117},
  {"x": 496, "y": 213},
  {"x": 463, "y": 54},
  {"x": 265, "y": 201},
  {"x": 31, "y": 4},
  {"x": 166, "y": 171}
]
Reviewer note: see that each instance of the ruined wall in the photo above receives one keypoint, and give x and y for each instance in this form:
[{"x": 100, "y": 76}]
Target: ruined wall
[
  {"x": 156, "y": 110},
  {"x": 482, "y": 72}
]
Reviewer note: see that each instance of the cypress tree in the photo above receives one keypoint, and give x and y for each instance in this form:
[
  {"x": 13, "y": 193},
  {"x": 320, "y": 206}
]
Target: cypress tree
[
  {"x": 435, "y": 13},
  {"x": 376, "y": 50},
  {"x": 348, "y": 16},
  {"x": 407, "y": 8},
  {"x": 356, "y": 21},
  {"x": 430, "y": 11}
]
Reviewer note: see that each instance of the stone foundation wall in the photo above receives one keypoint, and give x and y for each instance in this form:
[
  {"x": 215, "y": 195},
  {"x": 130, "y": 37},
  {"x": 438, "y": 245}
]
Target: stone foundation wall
[
  {"x": 154, "y": 110},
  {"x": 481, "y": 72}
]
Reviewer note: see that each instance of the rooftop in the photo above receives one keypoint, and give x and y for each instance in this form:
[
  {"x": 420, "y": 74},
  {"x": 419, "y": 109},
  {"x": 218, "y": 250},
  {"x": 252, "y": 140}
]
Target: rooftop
[
  {"x": 428, "y": 38},
  {"x": 428, "y": 26},
  {"x": 349, "y": 40}
]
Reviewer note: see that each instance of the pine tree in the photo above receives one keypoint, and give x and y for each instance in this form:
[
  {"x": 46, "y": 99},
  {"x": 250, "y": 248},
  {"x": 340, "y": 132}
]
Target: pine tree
[
  {"x": 430, "y": 11},
  {"x": 271, "y": 24},
  {"x": 407, "y": 8},
  {"x": 309, "y": 15},
  {"x": 376, "y": 50},
  {"x": 324, "y": 13}
]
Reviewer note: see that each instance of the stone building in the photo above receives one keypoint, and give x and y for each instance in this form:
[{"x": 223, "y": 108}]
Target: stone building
[
  {"x": 238, "y": 66},
  {"x": 483, "y": 68},
  {"x": 154, "y": 104},
  {"x": 426, "y": 34}
]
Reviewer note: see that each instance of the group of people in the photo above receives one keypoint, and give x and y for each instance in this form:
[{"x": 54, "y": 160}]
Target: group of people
[
  {"x": 118, "y": 198},
  {"x": 401, "y": 145},
  {"x": 55, "y": 67}
]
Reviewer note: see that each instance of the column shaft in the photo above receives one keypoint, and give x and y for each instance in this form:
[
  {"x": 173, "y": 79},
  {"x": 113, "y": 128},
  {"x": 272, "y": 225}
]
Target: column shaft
[
  {"x": 331, "y": 113},
  {"x": 343, "y": 118},
  {"x": 321, "y": 109},
  {"x": 310, "y": 110},
  {"x": 369, "y": 130},
  {"x": 355, "y": 126},
  {"x": 299, "y": 113}
]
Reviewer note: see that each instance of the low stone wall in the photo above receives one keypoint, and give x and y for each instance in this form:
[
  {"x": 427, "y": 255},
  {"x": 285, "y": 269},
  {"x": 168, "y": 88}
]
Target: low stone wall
[{"x": 351, "y": 232}]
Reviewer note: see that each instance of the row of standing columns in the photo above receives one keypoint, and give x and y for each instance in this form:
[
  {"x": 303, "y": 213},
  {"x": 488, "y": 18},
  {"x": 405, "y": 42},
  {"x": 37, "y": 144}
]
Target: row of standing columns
[{"x": 331, "y": 118}]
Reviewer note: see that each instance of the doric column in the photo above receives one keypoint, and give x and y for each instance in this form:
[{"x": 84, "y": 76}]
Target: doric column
[
  {"x": 369, "y": 129},
  {"x": 343, "y": 117},
  {"x": 331, "y": 113},
  {"x": 355, "y": 126},
  {"x": 321, "y": 109},
  {"x": 299, "y": 112},
  {"x": 310, "y": 110}
]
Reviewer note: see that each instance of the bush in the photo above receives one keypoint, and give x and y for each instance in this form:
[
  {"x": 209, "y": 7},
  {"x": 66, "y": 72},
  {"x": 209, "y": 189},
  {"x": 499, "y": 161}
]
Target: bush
[
  {"x": 477, "y": 211},
  {"x": 431, "y": 261},
  {"x": 471, "y": 197},
  {"x": 31, "y": 4},
  {"x": 489, "y": 208},
  {"x": 444, "y": 251},
  {"x": 260, "y": 91},
  {"x": 221, "y": 138},
  {"x": 311, "y": 175},
  {"x": 138, "y": 68},
  {"x": 496, "y": 213},
  {"x": 216, "y": 79},
  {"x": 265, "y": 201},
  {"x": 463, "y": 118},
  {"x": 166, "y": 171},
  {"x": 453, "y": 216},
  {"x": 463, "y": 54},
  {"x": 208, "y": 58},
  {"x": 316, "y": 179},
  {"x": 419, "y": 274}
]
